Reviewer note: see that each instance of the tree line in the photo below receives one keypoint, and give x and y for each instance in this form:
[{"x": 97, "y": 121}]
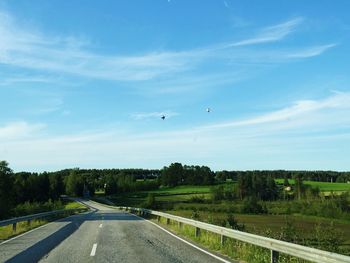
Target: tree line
[
  {"x": 21, "y": 187},
  {"x": 25, "y": 187},
  {"x": 320, "y": 176}
]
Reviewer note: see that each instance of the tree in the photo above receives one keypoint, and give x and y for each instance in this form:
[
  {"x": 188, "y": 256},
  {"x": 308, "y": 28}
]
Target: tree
[
  {"x": 56, "y": 186},
  {"x": 298, "y": 186},
  {"x": 173, "y": 174},
  {"x": 75, "y": 184},
  {"x": 6, "y": 186},
  {"x": 271, "y": 187}
]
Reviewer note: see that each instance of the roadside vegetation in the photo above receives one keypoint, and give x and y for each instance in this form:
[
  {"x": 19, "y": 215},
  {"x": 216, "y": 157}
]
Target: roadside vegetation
[{"x": 27, "y": 208}]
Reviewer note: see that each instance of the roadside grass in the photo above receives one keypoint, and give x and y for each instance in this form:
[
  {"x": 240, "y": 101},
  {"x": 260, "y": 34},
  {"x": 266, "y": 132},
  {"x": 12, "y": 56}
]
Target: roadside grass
[
  {"x": 73, "y": 205},
  {"x": 323, "y": 186},
  {"x": 234, "y": 249},
  {"x": 7, "y": 232}
]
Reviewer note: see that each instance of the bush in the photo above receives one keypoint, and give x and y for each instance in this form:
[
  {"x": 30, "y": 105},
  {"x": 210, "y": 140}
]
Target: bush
[
  {"x": 231, "y": 222},
  {"x": 195, "y": 215},
  {"x": 251, "y": 206},
  {"x": 328, "y": 237},
  {"x": 200, "y": 199}
]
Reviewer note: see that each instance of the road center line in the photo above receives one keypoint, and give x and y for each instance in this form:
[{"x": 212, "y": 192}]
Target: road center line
[{"x": 93, "y": 251}]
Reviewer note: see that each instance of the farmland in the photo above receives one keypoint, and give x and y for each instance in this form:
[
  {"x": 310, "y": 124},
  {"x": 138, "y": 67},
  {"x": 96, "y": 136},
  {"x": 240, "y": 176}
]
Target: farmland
[{"x": 323, "y": 186}]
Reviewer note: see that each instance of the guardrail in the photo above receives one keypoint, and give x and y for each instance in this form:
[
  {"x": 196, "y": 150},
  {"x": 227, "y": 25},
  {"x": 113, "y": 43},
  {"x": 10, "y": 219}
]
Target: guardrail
[
  {"x": 28, "y": 218},
  {"x": 274, "y": 245}
]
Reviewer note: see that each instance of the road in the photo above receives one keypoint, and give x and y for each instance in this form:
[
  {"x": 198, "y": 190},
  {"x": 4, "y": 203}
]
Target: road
[{"x": 104, "y": 235}]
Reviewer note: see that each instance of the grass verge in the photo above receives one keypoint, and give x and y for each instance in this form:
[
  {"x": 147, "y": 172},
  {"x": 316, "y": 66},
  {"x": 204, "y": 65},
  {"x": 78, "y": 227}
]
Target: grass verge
[
  {"x": 231, "y": 248},
  {"x": 7, "y": 232}
]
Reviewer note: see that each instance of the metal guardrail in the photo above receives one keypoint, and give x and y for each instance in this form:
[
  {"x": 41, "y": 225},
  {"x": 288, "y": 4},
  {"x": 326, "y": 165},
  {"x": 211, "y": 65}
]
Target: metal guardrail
[
  {"x": 28, "y": 218},
  {"x": 275, "y": 246}
]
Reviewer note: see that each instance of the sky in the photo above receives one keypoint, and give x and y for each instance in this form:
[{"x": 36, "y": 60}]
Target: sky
[{"x": 85, "y": 83}]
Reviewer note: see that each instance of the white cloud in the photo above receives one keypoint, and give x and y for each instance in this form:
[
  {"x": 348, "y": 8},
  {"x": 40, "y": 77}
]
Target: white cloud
[{"x": 19, "y": 130}]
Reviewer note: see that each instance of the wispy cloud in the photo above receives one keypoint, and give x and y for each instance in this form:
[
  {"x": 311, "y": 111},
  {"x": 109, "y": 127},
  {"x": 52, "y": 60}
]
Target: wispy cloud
[
  {"x": 153, "y": 115},
  {"x": 311, "y": 52},
  {"x": 26, "y": 48},
  {"x": 226, "y": 4},
  {"x": 272, "y": 33},
  {"x": 299, "y": 110}
]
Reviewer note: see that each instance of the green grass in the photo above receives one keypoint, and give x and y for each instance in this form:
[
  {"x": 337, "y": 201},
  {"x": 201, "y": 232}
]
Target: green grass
[
  {"x": 324, "y": 186},
  {"x": 73, "y": 205},
  {"x": 7, "y": 232},
  {"x": 183, "y": 189},
  {"x": 168, "y": 195}
]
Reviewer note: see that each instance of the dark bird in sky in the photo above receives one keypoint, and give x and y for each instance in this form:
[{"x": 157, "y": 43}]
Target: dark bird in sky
[
  {"x": 163, "y": 117},
  {"x": 208, "y": 109}
]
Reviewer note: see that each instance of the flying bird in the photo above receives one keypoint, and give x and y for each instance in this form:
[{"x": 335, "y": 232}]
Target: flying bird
[
  {"x": 163, "y": 117},
  {"x": 208, "y": 110}
]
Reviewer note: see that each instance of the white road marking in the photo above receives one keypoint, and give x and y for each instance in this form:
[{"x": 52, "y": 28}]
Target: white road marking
[
  {"x": 100, "y": 226},
  {"x": 93, "y": 250},
  {"x": 179, "y": 238}
]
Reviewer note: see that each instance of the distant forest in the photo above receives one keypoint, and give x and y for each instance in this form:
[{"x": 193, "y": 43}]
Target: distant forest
[{"x": 20, "y": 187}]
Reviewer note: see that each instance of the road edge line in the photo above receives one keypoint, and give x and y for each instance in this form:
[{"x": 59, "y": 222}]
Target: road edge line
[{"x": 183, "y": 240}]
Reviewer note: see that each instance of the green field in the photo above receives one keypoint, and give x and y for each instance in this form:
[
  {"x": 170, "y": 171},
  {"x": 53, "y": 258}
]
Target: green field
[
  {"x": 183, "y": 189},
  {"x": 176, "y": 194},
  {"x": 261, "y": 223},
  {"x": 323, "y": 186}
]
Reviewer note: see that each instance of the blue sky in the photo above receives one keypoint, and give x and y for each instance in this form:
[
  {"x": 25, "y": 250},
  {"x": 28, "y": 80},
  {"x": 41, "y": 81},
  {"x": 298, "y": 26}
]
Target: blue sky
[{"x": 84, "y": 84}]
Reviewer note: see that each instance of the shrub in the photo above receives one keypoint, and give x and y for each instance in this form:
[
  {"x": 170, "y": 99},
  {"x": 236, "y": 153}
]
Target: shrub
[
  {"x": 251, "y": 206},
  {"x": 231, "y": 222}
]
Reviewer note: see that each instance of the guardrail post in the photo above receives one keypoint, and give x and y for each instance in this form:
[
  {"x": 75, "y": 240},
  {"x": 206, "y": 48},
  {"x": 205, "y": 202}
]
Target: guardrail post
[
  {"x": 180, "y": 225},
  {"x": 197, "y": 232},
  {"x": 14, "y": 227},
  {"x": 28, "y": 222},
  {"x": 222, "y": 240},
  {"x": 274, "y": 256},
  {"x": 167, "y": 221},
  {"x": 158, "y": 219}
]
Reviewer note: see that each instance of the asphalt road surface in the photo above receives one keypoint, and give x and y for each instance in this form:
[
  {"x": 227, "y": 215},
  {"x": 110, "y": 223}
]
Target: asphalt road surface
[{"x": 104, "y": 235}]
